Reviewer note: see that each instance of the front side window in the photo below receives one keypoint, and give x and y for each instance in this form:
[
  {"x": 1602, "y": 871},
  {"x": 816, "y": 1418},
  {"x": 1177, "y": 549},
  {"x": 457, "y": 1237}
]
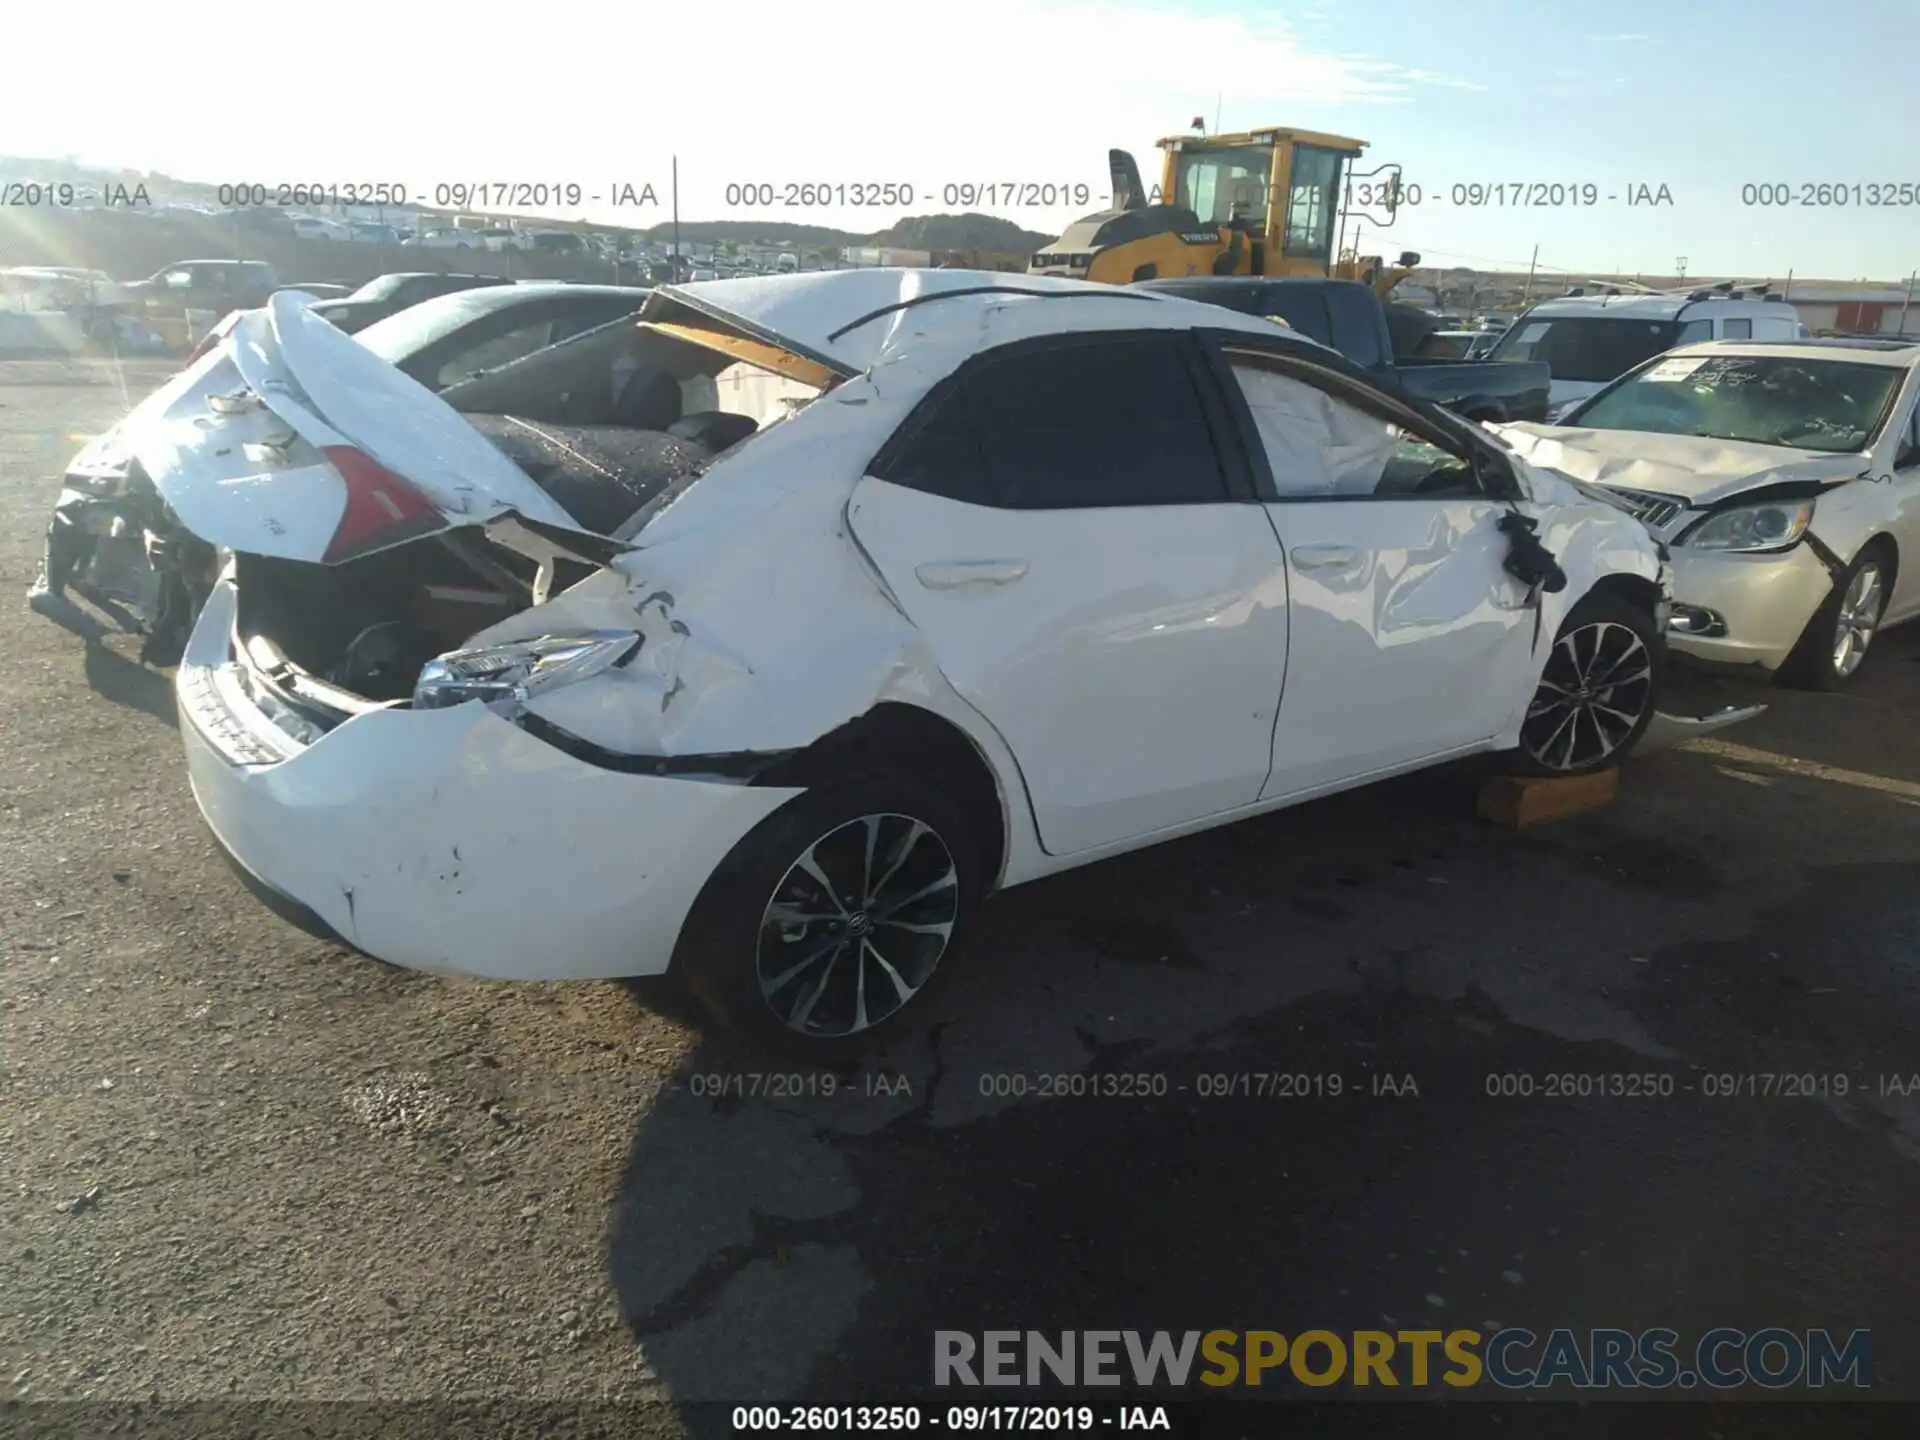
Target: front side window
[
  {"x": 1067, "y": 427},
  {"x": 1313, "y": 197},
  {"x": 1827, "y": 405},
  {"x": 1694, "y": 332},
  {"x": 1322, "y": 447},
  {"x": 1222, "y": 185}
]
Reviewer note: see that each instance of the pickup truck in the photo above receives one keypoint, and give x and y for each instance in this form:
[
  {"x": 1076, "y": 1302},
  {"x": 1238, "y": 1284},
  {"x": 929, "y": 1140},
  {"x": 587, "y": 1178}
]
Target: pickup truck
[{"x": 1347, "y": 316}]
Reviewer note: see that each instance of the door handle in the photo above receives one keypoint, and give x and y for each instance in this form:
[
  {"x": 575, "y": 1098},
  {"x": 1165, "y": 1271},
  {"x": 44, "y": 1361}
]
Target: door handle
[
  {"x": 952, "y": 574},
  {"x": 1325, "y": 557}
]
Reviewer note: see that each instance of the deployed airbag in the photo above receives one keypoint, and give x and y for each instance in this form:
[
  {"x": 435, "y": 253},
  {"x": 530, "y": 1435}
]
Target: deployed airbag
[{"x": 1316, "y": 444}]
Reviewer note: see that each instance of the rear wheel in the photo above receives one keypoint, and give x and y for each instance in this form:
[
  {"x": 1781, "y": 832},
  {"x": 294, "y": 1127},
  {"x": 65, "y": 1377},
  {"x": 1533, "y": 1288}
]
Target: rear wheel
[
  {"x": 829, "y": 923},
  {"x": 1834, "y": 645},
  {"x": 1597, "y": 691}
]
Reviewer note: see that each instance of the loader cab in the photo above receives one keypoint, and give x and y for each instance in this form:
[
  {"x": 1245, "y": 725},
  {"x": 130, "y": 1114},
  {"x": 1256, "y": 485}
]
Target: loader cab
[{"x": 1281, "y": 188}]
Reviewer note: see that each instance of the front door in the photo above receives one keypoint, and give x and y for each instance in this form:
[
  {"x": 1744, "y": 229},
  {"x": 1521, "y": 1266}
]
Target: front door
[
  {"x": 1060, "y": 528},
  {"x": 1408, "y": 638}
]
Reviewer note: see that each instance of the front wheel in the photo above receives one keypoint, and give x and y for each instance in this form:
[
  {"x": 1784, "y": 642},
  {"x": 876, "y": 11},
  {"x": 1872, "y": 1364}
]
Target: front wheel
[
  {"x": 1597, "y": 692},
  {"x": 828, "y": 924},
  {"x": 1834, "y": 645}
]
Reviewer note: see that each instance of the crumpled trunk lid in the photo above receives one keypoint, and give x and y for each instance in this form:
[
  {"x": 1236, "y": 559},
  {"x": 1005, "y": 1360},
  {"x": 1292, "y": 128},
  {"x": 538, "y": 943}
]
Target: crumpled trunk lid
[{"x": 293, "y": 440}]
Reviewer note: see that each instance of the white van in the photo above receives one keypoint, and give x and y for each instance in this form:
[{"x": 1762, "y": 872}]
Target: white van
[{"x": 1588, "y": 341}]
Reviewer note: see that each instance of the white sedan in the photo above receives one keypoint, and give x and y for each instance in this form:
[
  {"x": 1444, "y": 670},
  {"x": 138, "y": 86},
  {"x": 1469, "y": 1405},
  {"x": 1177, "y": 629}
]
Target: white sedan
[
  {"x": 1786, "y": 478},
  {"x": 976, "y": 578}
]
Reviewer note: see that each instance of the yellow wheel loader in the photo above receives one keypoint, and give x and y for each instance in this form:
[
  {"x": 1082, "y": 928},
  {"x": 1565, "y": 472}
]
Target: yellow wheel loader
[{"x": 1259, "y": 202}]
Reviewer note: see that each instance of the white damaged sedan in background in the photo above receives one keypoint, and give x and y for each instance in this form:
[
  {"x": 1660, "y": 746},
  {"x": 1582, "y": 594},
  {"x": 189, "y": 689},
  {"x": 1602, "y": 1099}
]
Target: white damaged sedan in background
[
  {"x": 1786, "y": 478},
  {"x": 983, "y": 577}
]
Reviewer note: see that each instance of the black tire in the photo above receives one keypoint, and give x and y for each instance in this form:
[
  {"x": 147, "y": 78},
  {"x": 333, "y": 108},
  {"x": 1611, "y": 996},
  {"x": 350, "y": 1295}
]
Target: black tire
[
  {"x": 1816, "y": 663},
  {"x": 1595, "y": 698},
  {"x": 730, "y": 941}
]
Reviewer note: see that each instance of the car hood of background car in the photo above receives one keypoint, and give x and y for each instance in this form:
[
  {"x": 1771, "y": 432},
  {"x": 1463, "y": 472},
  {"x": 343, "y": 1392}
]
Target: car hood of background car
[
  {"x": 1698, "y": 469},
  {"x": 332, "y": 392}
]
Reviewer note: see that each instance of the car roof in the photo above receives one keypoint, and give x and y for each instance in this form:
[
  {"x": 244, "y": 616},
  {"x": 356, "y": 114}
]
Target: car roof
[
  {"x": 1888, "y": 354},
  {"x": 1648, "y": 307},
  {"x": 852, "y": 319}
]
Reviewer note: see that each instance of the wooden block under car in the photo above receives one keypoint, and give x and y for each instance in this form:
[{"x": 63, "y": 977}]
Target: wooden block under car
[{"x": 1522, "y": 801}]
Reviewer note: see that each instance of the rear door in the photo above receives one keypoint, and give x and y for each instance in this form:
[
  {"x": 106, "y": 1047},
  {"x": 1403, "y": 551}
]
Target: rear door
[
  {"x": 1408, "y": 638},
  {"x": 1094, "y": 576}
]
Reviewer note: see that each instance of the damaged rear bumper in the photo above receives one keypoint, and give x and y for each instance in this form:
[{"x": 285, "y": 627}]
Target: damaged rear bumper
[{"x": 452, "y": 841}]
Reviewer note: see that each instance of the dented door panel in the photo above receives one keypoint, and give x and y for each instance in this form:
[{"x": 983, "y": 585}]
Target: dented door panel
[
  {"x": 1131, "y": 657},
  {"x": 1408, "y": 638}
]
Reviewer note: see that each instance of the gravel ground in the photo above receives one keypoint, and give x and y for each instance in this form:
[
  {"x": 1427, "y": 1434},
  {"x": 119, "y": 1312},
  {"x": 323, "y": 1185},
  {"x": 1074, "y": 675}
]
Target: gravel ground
[{"x": 238, "y": 1163}]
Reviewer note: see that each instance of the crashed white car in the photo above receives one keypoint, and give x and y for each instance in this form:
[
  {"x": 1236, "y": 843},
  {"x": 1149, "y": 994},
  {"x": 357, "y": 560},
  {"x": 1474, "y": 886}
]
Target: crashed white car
[
  {"x": 989, "y": 576},
  {"x": 1786, "y": 479}
]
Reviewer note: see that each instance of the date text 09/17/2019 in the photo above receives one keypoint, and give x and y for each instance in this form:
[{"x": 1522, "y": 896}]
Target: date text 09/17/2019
[
  {"x": 901, "y": 194},
  {"x": 480, "y": 195}
]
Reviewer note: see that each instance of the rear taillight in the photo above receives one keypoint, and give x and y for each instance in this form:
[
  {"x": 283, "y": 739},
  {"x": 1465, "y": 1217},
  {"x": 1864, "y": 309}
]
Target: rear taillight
[
  {"x": 378, "y": 501},
  {"x": 214, "y": 336}
]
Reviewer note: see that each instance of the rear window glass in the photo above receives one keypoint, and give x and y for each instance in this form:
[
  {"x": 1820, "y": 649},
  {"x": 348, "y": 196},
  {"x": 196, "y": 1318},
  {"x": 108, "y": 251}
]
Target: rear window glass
[{"x": 1587, "y": 348}]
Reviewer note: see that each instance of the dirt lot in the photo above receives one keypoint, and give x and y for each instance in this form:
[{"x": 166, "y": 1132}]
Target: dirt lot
[{"x": 236, "y": 1162}]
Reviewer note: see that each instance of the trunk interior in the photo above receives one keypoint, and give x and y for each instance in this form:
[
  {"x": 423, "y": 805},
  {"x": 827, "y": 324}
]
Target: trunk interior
[
  {"x": 607, "y": 424},
  {"x": 332, "y": 641}
]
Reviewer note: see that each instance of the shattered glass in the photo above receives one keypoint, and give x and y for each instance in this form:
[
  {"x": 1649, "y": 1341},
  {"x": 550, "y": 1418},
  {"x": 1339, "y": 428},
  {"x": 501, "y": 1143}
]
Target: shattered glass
[{"x": 601, "y": 474}]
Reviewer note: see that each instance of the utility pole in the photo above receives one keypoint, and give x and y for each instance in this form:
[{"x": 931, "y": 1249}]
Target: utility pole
[
  {"x": 675, "y": 262},
  {"x": 1907, "y": 304},
  {"x": 1680, "y": 267},
  {"x": 1532, "y": 265}
]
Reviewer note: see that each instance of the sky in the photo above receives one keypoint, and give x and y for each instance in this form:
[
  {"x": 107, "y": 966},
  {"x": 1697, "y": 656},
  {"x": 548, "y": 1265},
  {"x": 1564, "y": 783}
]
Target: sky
[{"x": 1703, "y": 97}]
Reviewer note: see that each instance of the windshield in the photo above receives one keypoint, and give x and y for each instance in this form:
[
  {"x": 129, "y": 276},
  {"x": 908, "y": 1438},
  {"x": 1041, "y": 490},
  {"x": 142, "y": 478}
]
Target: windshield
[
  {"x": 1218, "y": 184},
  {"x": 1829, "y": 405},
  {"x": 1587, "y": 348},
  {"x": 401, "y": 336}
]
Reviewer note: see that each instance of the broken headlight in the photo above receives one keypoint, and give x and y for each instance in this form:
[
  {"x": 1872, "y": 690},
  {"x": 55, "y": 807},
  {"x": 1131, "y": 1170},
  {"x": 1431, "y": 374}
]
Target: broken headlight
[
  {"x": 1754, "y": 527},
  {"x": 520, "y": 669}
]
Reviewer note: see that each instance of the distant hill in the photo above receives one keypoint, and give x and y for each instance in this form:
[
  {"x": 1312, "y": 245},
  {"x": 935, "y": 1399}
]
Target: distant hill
[
  {"x": 916, "y": 232},
  {"x": 961, "y": 232}
]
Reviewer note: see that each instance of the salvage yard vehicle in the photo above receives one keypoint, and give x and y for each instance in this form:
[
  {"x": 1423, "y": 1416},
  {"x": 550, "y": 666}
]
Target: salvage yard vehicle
[
  {"x": 1352, "y": 319},
  {"x": 215, "y": 285},
  {"x": 112, "y": 544},
  {"x": 1588, "y": 341},
  {"x": 386, "y": 295},
  {"x": 1785, "y": 478},
  {"x": 936, "y": 582},
  {"x": 1258, "y": 202}
]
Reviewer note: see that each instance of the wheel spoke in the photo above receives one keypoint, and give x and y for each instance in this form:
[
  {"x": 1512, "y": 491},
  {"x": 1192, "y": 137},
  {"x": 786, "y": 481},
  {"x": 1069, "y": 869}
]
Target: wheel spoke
[
  {"x": 810, "y": 863},
  {"x": 942, "y": 929},
  {"x": 805, "y": 1010},
  {"x": 914, "y": 831},
  {"x": 903, "y": 991},
  {"x": 942, "y": 883},
  {"x": 866, "y": 860},
  {"x": 814, "y": 954},
  {"x": 783, "y": 914}
]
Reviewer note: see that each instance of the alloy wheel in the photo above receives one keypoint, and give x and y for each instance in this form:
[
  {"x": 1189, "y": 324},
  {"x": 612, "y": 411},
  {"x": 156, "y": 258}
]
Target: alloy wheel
[
  {"x": 1859, "y": 616},
  {"x": 1593, "y": 694},
  {"x": 855, "y": 927}
]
